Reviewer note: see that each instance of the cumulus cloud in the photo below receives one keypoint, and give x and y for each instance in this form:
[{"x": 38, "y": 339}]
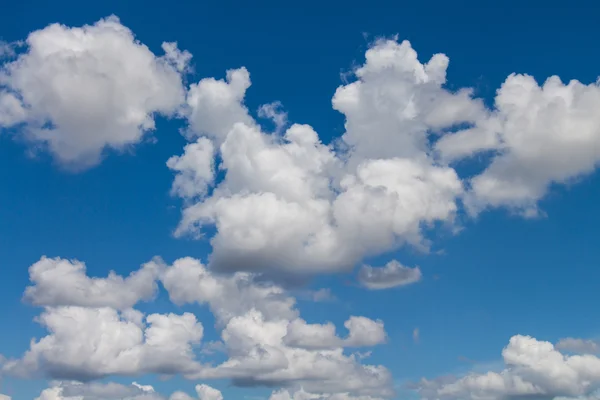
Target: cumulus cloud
[
  {"x": 540, "y": 135},
  {"x": 392, "y": 275},
  {"x": 91, "y": 343},
  {"x": 78, "y": 91},
  {"x": 293, "y": 204},
  {"x": 206, "y": 392},
  {"x": 98, "y": 391},
  {"x": 4, "y": 397},
  {"x": 91, "y": 333},
  {"x": 72, "y": 390},
  {"x": 534, "y": 368},
  {"x": 59, "y": 282},
  {"x": 266, "y": 341},
  {"x": 362, "y": 332}
]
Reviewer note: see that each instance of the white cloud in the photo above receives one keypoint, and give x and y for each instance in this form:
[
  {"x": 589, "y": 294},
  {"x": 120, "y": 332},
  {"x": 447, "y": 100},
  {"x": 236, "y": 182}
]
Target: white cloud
[
  {"x": 303, "y": 395},
  {"x": 541, "y": 135},
  {"x": 294, "y": 205},
  {"x": 533, "y": 368},
  {"x": 392, "y": 275},
  {"x": 98, "y": 391},
  {"x": 5, "y": 397},
  {"x": 90, "y": 343},
  {"x": 79, "y": 91},
  {"x": 362, "y": 332},
  {"x": 206, "y": 392},
  {"x": 274, "y": 112},
  {"x": 214, "y": 106},
  {"x": 115, "y": 391},
  {"x": 266, "y": 341},
  {"x": 92, "y": 335},
  {"x": 195, "y": 169},
  {"x": 291, "y": 205},
  {"x": 59, "y": 282}
]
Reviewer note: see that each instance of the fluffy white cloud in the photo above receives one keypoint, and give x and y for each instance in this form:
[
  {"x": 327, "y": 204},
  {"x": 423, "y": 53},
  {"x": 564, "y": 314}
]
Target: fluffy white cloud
[
  {"x": 206, "y": 392},
  {"x": 533, "y": 368},
  {"x": 392, "y": 275},
  {"x": 292, "y": 204},
  {"x": 79, "y": 91},
  {"x": 540, "y": 135},
  {"x": 89, "y": 343},
  {"x": 362, "y": 331},
  {"x": 4, "y": 397},
  {"x": 303, "y": 395},
  {"x": 92, "y": 334},
  {"x": 115, "y": 391},
  {"x": 195, "y": 169},
  {"x": 214, "y": 106},
  {"x": 98, "y": 391},
  {"x": 59, "y": 282},
  {"x": 266, "y": 341}
]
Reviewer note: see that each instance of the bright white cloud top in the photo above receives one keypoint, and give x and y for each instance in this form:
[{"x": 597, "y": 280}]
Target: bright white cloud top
[{"x": 287, "y": 206}]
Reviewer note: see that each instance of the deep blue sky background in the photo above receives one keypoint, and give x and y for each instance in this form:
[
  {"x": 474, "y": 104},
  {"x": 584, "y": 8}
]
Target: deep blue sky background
[{"x": 501, "y": 276}]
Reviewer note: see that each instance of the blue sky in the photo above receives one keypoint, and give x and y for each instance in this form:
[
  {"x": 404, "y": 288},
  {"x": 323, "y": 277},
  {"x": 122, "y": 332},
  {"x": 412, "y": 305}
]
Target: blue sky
[{"x": 500, "y": 275}]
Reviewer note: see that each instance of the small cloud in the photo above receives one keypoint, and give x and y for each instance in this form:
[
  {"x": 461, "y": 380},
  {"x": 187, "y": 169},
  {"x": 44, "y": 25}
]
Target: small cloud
[
  {"x": 392, "y": 275},
  {"x": 322, "y": 295},
  {"x": 274, "y": 112},
  {"x": 416, "y": 335}
]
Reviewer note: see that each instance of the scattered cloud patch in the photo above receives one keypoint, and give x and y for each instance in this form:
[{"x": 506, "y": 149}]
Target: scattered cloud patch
[{"x": 392, "y": 275}]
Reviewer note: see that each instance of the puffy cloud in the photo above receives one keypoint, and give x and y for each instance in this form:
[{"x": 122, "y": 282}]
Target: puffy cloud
[
  {"x": 115, "y": 391},
  {"x": 92, "y": 335},
  {"x": 206, "y": 392},
  {"x": 90, "y": 343},
  {"x": 392, "y": 275},
  {"x": 189, "y": 281},
  {"x": 214, "y": 106},
  {"x": 540, "y": 135},
  {"x": 533, "y": 368},
  {"x": 79, "y": 91},
  {"x": 4, "y": 397},
  {"x": 258, "y": 355},
  {"x": 362, "y": 332},
  {"x": 303, "y": 395},
  {"x": 266, "y": 341},
  {"x": 59, "y": 282},
  {"x": 98, "y": 391},
  {"x": 195, "y": 169},
  {"x": 291, "y": 204}
]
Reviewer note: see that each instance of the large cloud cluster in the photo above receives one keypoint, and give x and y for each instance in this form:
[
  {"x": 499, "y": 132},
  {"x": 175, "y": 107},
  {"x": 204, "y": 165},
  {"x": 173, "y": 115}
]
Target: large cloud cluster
[
  {"x": 93, "y": 331},
  {"x": 283, "y": 205}
]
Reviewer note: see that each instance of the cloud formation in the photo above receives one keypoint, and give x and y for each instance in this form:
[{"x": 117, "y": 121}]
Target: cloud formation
[
  {"x": 79, "y": 91},
  {"x": 93, "y": 332},
  {"x": 534, "y": 369}
]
